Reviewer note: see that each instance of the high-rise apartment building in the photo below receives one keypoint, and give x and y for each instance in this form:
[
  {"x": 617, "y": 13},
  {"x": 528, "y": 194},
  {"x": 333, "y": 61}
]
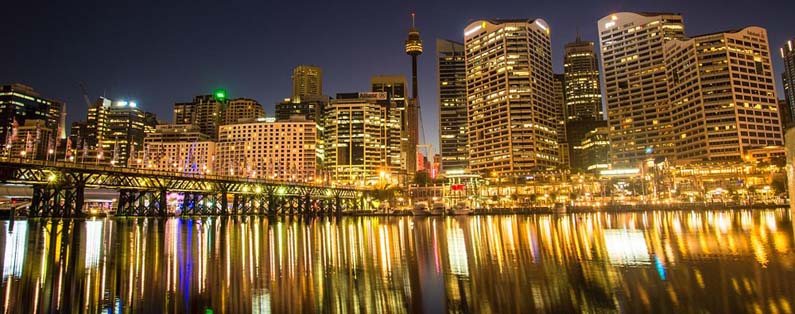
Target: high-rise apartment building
[
  {"x": 307, "y": 81},
  {"x": 581, "y": 71},
  {"x": 722, "y": 95},
  {"x": 559, "y": 98},
  {"x": 179, "y": 148},
  {"x": 19, "y": 103},
  {"x": 451, "y": 71},
  {"x": 206, "y": 111},
  {"x": 788, "y": 77},
  {"x": 635, "y": 92},
  {"x": 358, "y": 129},
  {"x": 269, "y": 150},
  {"x": 511, "y": 110},
  {"x": 241, "y": 109}
]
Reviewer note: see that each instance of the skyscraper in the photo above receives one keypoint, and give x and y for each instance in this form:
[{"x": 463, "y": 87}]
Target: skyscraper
[
  {"x": 581, "y": 70},
  {"x": 636, "y": 94},
  {"x": 395, "y": 105},
  {"x": 788, "y": 77},
  {"x": 413, "y": 49},
  {"x": 307, "y": 81},
  {"x": 19, "y": 103},
  {"x": 357, "y": 127},
  {"x": 126, "y": 125},
  {"x": 511, "y": 111},
  {"x": 722, "y": 97},
  {"x": 451, "y": 71},
  {"x": 583, "y": 97}
]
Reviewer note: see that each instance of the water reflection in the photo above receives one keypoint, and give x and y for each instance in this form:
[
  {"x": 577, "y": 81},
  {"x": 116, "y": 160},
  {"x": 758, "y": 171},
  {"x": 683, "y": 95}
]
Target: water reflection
[{"x": 719, "y": 261}]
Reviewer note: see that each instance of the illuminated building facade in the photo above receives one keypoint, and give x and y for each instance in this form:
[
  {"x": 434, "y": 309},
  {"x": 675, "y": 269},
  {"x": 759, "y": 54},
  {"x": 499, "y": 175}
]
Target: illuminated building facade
[
  {"x": 33, "y": 141},
  {"x": 309, "y": 107},
  {"x": 242, "y": 109},
  {"x": 358, "y": 126},
  {"x": 788, "y": 77},
  {"x": 591, "y": 154},
  {"x": 268, "y": 149},
  {"x": 395, "y": 105},
  {"x": 511, "y": 110},
  {"x": 180, "y": 148},
  {"x": 636, "y": 93},
  {"x": 307, "y": 81},
  {"x": 722, "y": 96},
  {"x": 581, "y": 71},
  {"x": 126, "y": 127},
  {"x": 205, "y": 111},
  {"x": 21, "y": 103},
  {"x": 451, "y": 71}
]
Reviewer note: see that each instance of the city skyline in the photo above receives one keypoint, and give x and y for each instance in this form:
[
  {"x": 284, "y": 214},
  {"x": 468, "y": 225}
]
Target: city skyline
[{"x": 160, "y": 64}]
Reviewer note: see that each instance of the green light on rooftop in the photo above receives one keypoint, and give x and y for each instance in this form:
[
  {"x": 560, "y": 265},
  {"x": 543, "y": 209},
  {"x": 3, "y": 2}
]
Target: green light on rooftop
[{"x": 220, "y": 94}]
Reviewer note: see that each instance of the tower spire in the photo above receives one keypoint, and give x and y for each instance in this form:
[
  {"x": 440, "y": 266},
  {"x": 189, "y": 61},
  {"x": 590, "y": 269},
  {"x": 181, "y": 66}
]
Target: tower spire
[{"x": 412, "y": 19}]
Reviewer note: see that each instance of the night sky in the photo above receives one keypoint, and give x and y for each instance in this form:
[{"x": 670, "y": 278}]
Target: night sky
[{"x": 161, "y": 53}]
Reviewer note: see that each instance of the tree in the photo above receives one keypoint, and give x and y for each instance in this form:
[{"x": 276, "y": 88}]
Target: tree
[{"x": 423, "y": 178}]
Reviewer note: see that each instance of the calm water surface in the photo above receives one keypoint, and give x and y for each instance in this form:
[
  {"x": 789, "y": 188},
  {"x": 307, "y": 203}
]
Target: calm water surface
[{"x": 683, "y": 262}]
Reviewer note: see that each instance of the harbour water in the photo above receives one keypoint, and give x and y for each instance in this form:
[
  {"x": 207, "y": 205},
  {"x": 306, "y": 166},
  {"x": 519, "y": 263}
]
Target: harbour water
[{"x": 720, "y": 261}]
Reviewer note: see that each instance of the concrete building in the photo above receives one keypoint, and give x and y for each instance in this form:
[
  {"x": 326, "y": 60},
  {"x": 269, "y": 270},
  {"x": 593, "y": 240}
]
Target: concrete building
[
  {"x": 451, "y": 71},
  {"x": 268, "y": 149},
  {"x": 722, "y": 96},
  {"x": 34, "y": 141},
  {"x": 591, "y": 154},
  {"x": 559, "y": 97},
  {"x": 788, "y": 77},
  {"x": 180, "y": 148},
  {"x": 511, "y": 110},
  {"x": 205, "y": 111},
  {"x": 361, "y": 140},
  {"x": 581, "y": 71},
  {"x": 307, "y": 81},
  {"x": 19, "y": 103},
  {"x": 635, "y": 92},
  {"x": 242, "y": 109}
]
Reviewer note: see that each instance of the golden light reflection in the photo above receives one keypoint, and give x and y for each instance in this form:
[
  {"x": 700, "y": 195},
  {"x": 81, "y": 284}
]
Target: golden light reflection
[{"x": 678, "y": 260}]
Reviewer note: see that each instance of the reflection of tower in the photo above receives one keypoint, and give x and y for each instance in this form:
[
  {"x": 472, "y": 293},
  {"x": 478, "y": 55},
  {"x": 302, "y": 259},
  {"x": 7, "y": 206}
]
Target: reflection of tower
[{"x": 413, "y": 49}]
